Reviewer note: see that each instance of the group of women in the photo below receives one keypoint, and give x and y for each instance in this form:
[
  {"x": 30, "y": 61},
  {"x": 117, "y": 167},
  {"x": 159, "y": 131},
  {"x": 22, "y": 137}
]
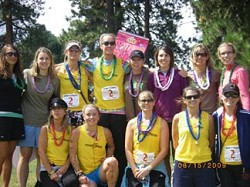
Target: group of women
[{"x": 141, "y": 111}]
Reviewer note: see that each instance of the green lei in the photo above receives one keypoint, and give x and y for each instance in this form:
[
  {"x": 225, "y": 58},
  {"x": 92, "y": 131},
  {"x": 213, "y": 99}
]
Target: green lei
[
  {"x": 21, "y": 86},
  {"x": 113, "y": 69},
  {"x": 223, "y": 72}
]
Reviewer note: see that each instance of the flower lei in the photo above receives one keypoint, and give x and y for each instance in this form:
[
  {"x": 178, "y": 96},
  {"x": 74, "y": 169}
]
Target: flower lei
[
  {"x": 157, "y": 80},
  {"x": 198, "y": 82},
  {"x": 130, "y": 84},
  {"x": 150, "y": 126},
  {"x": 190, "y": 129}
]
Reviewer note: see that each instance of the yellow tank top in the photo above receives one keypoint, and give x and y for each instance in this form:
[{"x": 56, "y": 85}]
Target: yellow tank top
[
  {"x": 144, "y": 152},
  {"x": 91, "y": 151},
  {"x": 230, "y": 153},
  {"x": 189, "y": 150},
  {"x": 109, "y": 93},
  {"x": 67, "y": 91},
  {"x": 58, "y": 155}
]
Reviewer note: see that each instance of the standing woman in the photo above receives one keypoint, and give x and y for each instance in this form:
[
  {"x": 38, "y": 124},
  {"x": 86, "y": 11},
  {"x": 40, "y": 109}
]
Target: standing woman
[
  {"x": 134, "y": 83},
  {"x": 108, "y": 77},
  {"x": 233, "y": 73},
  {"x": 167, "y": 85},
  {"x": 11, "y": 117},
  {"x": 204, "y": 77},
  {"x": 193, "y": 139},
  {"x": 232, "y": 143},
  {"x": 146, "y": 145},
  {"x": 41, "y": 86},
  {"x": 73, "y": 82},
  {"x": 53, "y": 147}
]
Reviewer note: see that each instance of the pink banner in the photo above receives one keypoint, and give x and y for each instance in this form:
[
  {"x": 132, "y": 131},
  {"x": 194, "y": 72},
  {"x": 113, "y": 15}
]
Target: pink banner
[{"x": 127, "y": 42}]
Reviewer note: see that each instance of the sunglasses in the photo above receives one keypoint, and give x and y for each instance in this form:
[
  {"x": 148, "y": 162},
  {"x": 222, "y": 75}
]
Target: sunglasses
[
  {"x": 146, "y": 100},
  {"x": 10, "y": 54},
  {"x": 74, "y": 50},
  {"x": 189, "y": 97},
  {"x": 108, "y": 43},
  {"x": 201, "y": 54},
  {"x": 231, "y": 94}
]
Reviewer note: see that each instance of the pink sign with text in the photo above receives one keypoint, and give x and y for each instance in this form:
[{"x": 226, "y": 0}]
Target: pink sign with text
[{"x": 127, "y": 42}]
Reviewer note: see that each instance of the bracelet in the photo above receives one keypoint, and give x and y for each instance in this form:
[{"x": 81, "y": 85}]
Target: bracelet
[
  {"x": 79, "y": 174},
  {"x": 51, "y": 173},
  {"x": 149, "y": 168}
]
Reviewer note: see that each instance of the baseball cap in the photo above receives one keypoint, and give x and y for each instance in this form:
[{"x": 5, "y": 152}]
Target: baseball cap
[
  {"x": 136, "y": 53},
  {"x": 232, "y": 88},
  {"x": 57, "y": 102},
  {"x": 73, "y": 43}
]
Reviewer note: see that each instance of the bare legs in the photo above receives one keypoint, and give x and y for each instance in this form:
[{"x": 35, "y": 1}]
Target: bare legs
[
  {"x": 109, "y": 171},
  {"x": 6, "y": 153},
  {"x": 23, "y": 165}
]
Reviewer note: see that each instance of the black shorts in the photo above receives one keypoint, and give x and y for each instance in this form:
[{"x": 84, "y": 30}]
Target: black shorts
[{"x": 11, "y": 129}]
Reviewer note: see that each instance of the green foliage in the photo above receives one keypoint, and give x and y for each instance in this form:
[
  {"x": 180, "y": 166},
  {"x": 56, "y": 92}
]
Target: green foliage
[
  {"x": 221, "y": 21},
  {"x": 39, "y": 37},
  {"x": 92, "y": 18},
  {"x": 17, "y": 17}
]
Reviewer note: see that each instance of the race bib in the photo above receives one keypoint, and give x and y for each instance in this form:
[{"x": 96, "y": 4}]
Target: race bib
[
  {"x": 72, "y": 100},
  {"x": 110, "y": 93},
  {"x": 144, "y": 158},
  {"x": 232, "y": 154}
]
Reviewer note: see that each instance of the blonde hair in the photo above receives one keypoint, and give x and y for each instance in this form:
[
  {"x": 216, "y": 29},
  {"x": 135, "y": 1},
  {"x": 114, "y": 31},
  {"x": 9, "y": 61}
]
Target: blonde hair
[
  {"x": 90, "y": 106},
  {"x": 224, "y": 44},
  {"x": 197, "y": 48},
  {"x": 106, "y": 34},
  {"x": 146, "y": 93},
  {"x": 34, "y": 65}
]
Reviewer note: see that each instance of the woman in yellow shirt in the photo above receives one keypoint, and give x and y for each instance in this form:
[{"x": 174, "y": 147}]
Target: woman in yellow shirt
[
  {"x": 53, "y": 147},
  {"x": 146, "y": 145},
  {"x": 193, "y": 139}
]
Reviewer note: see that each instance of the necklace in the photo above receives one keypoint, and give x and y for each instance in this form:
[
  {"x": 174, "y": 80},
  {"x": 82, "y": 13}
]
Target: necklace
[
  {"x": 223, "y": 72},
  {"x": 157, "y": 82},
  {"x": 131, "y": 90},
  {"x": 113, "y": 69},
  {"x": 198, "y": 81},
  {"x": 231, "y": 129},
  {"x": 54, "y": 135},
  {"x": 15, "y": 79},
  {"x": 76, "y": 85},
  {"x": 190, "y": 129},
  {"x": 35, "y": 87},
  {"x": 92, "y": 134},
  {"x": 150, "y": 126}
]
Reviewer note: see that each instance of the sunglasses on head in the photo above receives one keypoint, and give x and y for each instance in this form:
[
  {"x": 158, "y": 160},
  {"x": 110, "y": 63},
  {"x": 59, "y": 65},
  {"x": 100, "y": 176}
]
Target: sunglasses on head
[
  {"x": 108, "y": 43},
  {"x": 10, "y": 54},
  {"x": 189, "y": 97},
  {"x": 201, "y": 54},
  {"x": 146, "y": 100},
  {"x": 231, "y": 94}
]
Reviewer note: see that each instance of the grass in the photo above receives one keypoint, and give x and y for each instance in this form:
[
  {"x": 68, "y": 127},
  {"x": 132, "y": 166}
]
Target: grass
[{"x": 32, "y": 176}]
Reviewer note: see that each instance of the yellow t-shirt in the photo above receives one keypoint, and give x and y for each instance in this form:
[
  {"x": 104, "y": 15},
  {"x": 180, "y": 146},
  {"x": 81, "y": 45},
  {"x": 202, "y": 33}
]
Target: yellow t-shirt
[
  {"x": 67, "y": 91},
  {"x": 91, "y": 151},
  {"x": 189, "y": 150},
  {"x": 109, "y": 93},
  {"x": 230, "y": 153},
  {"x": 144, "y": 152},
  {"x": 58, "y": 155}
]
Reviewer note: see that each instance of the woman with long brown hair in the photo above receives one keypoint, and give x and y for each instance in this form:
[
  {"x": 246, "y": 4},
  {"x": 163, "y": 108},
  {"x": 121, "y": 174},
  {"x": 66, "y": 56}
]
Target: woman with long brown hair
[{"x": 11, "y": 118}]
